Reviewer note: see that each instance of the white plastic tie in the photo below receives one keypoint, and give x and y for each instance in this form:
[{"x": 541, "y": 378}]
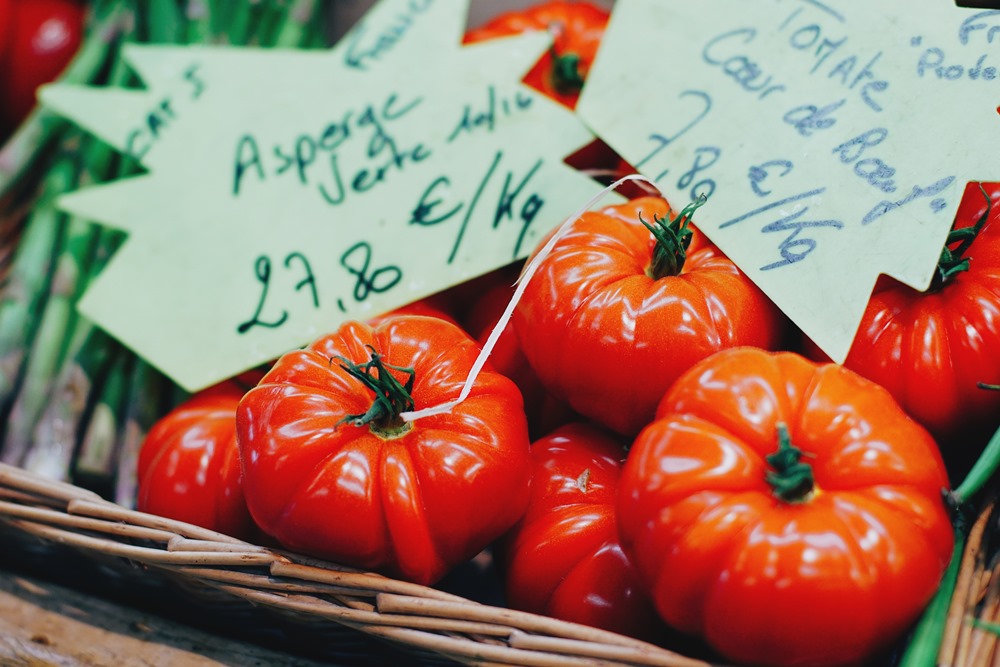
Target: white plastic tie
[{"x": 522, "y": 283}]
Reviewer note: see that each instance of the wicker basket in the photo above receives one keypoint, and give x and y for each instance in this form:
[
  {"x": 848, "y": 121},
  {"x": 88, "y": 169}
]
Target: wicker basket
[{"x": 428, "y": 623}]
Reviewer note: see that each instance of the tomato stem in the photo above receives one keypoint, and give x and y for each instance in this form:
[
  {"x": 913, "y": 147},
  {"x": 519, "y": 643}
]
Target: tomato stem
[
  {"x": 982, "y": 472},
  {"x": 925, "y": 642},
  {"x": 566, "y": 77},
  {"x": 672, "y": 241},
  {"x": 391, "y": 396},
  {"x": 952, "y": 261},
  {"x": 791, "y": 480}
]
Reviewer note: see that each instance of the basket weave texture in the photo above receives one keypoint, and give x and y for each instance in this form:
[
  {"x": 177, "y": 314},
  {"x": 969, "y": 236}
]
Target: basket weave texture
[{"x": 415, "y": 617}]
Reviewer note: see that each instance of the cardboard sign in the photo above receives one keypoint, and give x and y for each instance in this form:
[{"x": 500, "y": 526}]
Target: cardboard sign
[
  {"x": 834, "y": 139},
  {"x": 288, "y": 191}
]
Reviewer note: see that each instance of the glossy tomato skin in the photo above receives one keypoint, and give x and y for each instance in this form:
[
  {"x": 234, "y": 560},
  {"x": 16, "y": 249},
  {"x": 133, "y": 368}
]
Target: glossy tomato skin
[
  {"x": 930, "y": 349},
  {"x": 411, "y": 506},
  {"x": 577, "y": 29},
  {"x": 830, "y": 580},
  {"x": 609, "y": 339},
  {"x": 189, "y": 465},
  {"x": 43, "y": 37},
  {"x": 563, "y": 559}
]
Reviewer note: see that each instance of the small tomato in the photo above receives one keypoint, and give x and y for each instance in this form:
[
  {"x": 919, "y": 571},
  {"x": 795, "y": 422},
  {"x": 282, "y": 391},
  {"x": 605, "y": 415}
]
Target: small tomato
[
  {"x": 189, "y": 465},
  {"x": 563, "y": 559}
]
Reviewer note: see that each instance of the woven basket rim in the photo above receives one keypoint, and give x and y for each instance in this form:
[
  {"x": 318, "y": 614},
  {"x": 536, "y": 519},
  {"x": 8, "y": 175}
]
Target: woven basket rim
[{"x": 406, "y": 614}]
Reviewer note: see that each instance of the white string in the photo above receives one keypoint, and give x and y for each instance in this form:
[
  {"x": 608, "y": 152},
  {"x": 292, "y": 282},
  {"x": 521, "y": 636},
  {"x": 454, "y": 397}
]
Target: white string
[{"x": 522, "y": 283}]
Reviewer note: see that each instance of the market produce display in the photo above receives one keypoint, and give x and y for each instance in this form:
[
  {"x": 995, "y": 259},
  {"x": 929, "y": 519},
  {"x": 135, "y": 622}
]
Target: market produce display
[{"x": 623, "y": 427}]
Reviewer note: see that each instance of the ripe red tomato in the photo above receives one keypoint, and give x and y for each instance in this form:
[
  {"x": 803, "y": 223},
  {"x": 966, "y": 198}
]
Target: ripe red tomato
[
  {"x": 611, "y": 317},
  {"x": 930, "y": 349},
  {"x": 577, "y": 29},
  {"x": 41, "y": 38},
  {"x": 813, "y": 548},
  {"x": 189, "y": 465},
  {"x": 332, "y": 472},
  {"x": 563, "y": 559}
]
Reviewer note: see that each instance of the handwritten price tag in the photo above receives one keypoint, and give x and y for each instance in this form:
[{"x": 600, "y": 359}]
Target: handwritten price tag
[
  {"x": 287, "y": 191},
  {"x": 833, "y": 138}
]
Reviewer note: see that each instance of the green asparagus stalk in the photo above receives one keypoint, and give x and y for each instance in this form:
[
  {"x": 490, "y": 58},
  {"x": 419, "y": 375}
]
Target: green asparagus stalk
[
  {"x": 231, "y": 22},
  {"x": 294, "y": 29},
  {"x": 11, "y": 223},
  {"x": 199, "y": 21},
  {"x": 57, "y": 338},
  {"x": 143, "y": 406},
  {"x": 265, "y": 23},
  {"x": 101, "y": 431},
  {"x": 50, "y": 345},
  {"x": 45, "y": 423},
  {"x": 23, "y": 296},
  {"x": 162, "y": 21}
]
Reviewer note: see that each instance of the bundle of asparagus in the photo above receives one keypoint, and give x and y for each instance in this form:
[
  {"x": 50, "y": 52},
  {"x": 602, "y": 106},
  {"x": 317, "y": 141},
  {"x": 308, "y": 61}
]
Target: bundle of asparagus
[{"x": 74, "y": 404}]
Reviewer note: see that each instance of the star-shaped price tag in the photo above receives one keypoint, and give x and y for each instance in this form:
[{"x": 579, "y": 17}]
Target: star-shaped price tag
[
  {"x": 833, "y": 138},
  {"x": 287, "y": 191}
]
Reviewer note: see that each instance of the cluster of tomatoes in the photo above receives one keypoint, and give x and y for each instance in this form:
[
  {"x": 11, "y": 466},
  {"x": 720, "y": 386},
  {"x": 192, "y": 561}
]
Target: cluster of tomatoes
[
  {"x": 681, "y": 468},
  {"x": 649, "y": 444},
  {"x": 38, "y": 38}
]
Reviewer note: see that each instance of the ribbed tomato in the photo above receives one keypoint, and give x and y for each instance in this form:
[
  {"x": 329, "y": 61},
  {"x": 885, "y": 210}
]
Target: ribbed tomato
[
  {"x": 617, "y": 311},
  {"x": 788, "y": 512},
  {"x": 331, "y": 468}
]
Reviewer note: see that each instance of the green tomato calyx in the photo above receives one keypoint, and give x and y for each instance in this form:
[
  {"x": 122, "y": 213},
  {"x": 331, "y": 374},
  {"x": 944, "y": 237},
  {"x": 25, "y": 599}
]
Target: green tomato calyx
[
  {"x": 672, "y": 240},
  {"x": 566, "y": 77},
  {"x": 392, "y": 397},
  {"x": 790, "y": 478},
  {"x": 953, "y": 260}
]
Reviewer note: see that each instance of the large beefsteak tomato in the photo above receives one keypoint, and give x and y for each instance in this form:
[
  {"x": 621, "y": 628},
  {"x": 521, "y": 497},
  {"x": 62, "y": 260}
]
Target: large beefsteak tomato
[
  {"x": 563, "y": 559},
  {"x": 615, "y": 313},
  {"x": 787, "y": 511},
  {"x": 331, "y": 469}
]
